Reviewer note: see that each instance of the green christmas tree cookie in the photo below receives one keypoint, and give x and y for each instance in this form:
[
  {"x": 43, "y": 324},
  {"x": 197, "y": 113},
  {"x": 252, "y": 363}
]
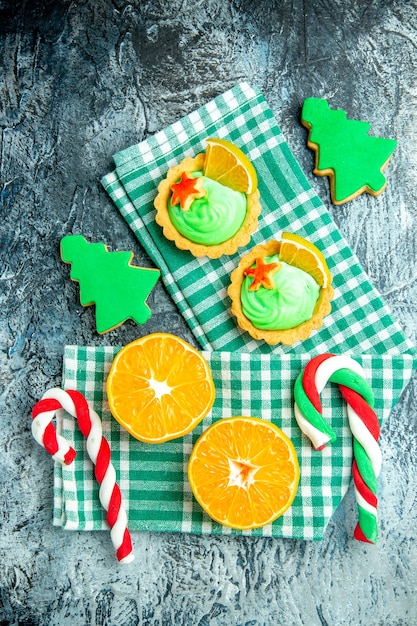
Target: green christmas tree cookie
[
  {"x": 345, "y": 152},
  {"x": 107, "y": 279}
]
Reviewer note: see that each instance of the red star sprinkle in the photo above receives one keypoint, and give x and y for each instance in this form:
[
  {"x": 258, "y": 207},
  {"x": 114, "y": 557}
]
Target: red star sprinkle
[
  {"x": 187, "y": 190},
  {"x": 262, "y": 274}
]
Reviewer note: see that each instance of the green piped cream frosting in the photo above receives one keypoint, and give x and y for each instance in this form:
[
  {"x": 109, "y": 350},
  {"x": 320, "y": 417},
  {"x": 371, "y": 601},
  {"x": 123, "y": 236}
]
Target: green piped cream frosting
[
  {"x": 290, "y": 303},
  {"x": 213, "y": 219}
]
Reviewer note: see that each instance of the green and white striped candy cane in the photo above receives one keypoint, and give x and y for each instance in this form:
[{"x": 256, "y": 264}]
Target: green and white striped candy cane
[{"x": 349, "y": 375}]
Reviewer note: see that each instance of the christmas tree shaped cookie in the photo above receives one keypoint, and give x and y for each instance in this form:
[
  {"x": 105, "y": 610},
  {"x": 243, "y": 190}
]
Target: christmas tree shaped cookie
[
  {"x": 352, "y": 159},
  {"x": 107, "y": 279}
]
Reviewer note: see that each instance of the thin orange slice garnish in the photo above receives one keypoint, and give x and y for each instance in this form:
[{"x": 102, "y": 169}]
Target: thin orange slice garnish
[
  {"x": 227, "y": 164},
  {"x": 299, "y": 252}
]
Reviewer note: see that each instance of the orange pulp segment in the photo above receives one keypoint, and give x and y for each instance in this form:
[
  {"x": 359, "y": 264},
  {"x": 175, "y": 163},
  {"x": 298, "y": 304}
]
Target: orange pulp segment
[
  {"x": 228, "y": 165},
  {"x": 159, "y": 388},
  {"x": 299, "y": 252},
  {"x": 244, "y": 472}
]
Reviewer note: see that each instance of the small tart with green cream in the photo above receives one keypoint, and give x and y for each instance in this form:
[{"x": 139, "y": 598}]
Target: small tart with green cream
[
  {"x": 281, "y": 291},
  {"x": 209, "y": 204}
]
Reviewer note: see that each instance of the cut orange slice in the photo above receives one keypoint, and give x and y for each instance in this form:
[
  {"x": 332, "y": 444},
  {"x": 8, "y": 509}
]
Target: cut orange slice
[
  {"x": 227, "y": 164},
  {"x": 159, "y": 388},
  {"x": 297, "y": 251},
  {"x": 244, "y": 472}
]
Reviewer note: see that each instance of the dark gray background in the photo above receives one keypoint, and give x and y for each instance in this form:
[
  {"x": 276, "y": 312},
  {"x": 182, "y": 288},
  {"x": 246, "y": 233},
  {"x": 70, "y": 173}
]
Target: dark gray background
[{"x": 81, "y": 80}]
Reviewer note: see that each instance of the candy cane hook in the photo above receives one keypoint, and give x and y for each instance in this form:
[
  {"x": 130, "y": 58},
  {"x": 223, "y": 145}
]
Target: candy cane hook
[
  {"x": 363, "y": 422},
  {"x": 98, "y": 450}
]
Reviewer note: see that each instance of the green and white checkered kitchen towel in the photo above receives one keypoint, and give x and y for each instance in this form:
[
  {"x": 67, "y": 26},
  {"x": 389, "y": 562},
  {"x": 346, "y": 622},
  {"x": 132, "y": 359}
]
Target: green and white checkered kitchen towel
[
  {"x": 153, "y": 478},
  {"x": 252, "y": 378},
  {"x": 360, "y": 321}
]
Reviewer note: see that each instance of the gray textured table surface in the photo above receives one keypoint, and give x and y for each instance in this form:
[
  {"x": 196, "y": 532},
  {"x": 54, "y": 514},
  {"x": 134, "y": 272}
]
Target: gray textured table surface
[{"x": 83, "y": 79}]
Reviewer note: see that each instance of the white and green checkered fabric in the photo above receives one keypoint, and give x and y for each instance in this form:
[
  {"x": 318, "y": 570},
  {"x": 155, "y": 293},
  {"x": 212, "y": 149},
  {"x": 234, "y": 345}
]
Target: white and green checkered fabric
[
  {"x": 360, "y": 321},
  {"x": 153, "y": 478},
  {"x": 251, "y": 377}
]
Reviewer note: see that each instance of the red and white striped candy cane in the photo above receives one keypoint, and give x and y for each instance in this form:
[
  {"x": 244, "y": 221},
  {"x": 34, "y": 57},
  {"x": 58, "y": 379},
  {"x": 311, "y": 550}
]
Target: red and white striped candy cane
[
  {"x": 363, "y": 422},
  {"x": 98, "y": 450}
]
